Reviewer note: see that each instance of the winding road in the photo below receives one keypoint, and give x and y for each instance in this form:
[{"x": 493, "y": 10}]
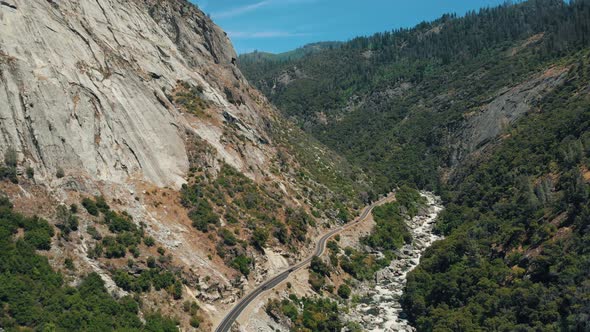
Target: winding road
[{"x": 235, "y": 312}]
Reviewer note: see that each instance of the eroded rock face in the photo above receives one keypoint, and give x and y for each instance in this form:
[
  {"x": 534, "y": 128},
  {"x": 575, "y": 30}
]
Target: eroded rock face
[
  {"x": 83, "y": 85},
  {"x": 504, "y": 110}
]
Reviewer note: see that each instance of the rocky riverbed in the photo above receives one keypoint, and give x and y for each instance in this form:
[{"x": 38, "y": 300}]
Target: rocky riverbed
[{"x": 379, "y": 308}]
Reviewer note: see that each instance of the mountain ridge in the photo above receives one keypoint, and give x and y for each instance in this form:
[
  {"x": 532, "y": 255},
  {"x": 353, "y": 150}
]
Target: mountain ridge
[
  {"x": 330, "y": 92},
  {"x": 295, "y": 54}
]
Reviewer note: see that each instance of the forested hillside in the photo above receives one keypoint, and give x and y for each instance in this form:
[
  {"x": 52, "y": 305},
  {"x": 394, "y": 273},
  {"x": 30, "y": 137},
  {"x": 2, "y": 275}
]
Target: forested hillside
[
  {"x": 516, "y": 256},
  {"x": 491, "y": 110},
  {"x": 34, "y": 296},
  {"x": 396, "y": 103}
]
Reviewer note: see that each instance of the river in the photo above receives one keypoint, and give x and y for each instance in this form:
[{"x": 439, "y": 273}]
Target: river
[{"x": 380, "y": 309}]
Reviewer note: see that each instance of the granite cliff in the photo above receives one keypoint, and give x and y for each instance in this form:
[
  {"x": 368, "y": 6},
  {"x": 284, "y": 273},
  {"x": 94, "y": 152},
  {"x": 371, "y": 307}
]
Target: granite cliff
[
  {"x": 84, "y": 86},
  {"x": 139, "y": 107}
]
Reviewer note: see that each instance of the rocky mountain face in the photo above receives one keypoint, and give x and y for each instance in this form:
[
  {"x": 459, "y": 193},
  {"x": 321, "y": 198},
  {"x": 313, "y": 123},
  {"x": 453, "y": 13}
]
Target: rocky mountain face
[
  {"x": 483, "y": 126},
  {"x": 140, "y": 104},
  {"x": 84, "y": 86}
]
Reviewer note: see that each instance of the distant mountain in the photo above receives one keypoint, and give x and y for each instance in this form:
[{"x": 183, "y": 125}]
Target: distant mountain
[{"x": 296, "y": 54}]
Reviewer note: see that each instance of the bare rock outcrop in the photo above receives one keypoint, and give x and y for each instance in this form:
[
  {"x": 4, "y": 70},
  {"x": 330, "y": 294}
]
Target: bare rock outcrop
[
  {"x": 83, "y": 85},
  {"x": 509, "y": 106}
]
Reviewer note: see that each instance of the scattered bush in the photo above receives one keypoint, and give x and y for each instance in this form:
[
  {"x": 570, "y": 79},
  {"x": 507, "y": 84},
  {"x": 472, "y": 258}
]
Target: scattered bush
[
  {"x": 30, "y": 172},
  {"x": 93, "y": 232},
  {"x": 60, "y": 173},
  {"x": 344, "y": 291},
  {"x": 196, "y": 321},
  {"x": 242, "y": 263},
  {"x": 149, "y": 241},
  {"x": 90, "y": 206},
  {"x": 259, "y": 238}
]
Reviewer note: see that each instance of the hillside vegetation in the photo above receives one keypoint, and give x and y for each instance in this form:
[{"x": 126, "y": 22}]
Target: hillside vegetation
[
  {"x": 492, "y": 111},
  {"x": 394, "y": 103},
  {"x": 34, "y": 296},
  {"x": 516, "y": 256}
]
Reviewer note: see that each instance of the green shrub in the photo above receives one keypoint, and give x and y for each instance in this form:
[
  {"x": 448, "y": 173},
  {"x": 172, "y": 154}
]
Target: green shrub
[
  {"x": 344, "y": 291},
  {"x": 123, "y": 280},
  {"x": 186, "y": 306},
  {"x": 194, "y": 308},
  {"x": 333, "y": 246},
  {"x": 112, "y": 247},
  {"x": 60, "y": 173},
  {"x": 69, "y": 264},
  {"x": 90, "y": 206},
  {"x": 151, "y": 262},
  {"x": 93, "y": 232},
  {"x": 149, "y": 241},
  {"x": 203, "y": 216},
  {"x": 10, "y": 157},
  {"x": 259, "y": 238},
  {"x": 8, "y": 173},
  {"x": 281, "y": 233},
  {"x": 308, "y": 314},
  {"x": 317, "y": 281},
  {"x": 391, "y": 232},
  {"x": 176, "y": 290},
  {"x": 318, "y": 266},
  {"x": 361, "y": 265},
  {"x": 96, "y": 251},
  {"x": 101, "y": 204},
  {"x": 119, "y": 222},
  {"x": 30, "y": 172},
  {"x": 229, "y": 239},
  {"x": 195, "y": 321},
  {"x": 242, "y": 263},
  {"x": 39, "y": 238},
  {"x": 135, "y": 251},
  {"x": 66, "y": 220},
  {"x": 158, "y": 323}
]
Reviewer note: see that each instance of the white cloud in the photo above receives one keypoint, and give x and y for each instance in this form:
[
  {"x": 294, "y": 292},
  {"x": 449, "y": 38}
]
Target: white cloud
[
  {"x": 237, "y": 11},
  {"x": 241, "y": 10},
  {"x": 264, "y": 34}
]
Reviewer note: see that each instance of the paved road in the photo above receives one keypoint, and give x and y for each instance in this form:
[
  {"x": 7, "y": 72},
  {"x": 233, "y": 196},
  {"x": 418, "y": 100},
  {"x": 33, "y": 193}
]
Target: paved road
[{"x": 235, "y": 312}]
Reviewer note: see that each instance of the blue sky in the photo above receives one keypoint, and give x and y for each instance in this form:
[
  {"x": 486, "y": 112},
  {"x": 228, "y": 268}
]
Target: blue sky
[{"x": 282, "y": 25}]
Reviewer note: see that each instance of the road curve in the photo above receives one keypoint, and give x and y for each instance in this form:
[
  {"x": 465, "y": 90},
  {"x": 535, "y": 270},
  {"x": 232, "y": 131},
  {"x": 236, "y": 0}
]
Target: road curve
[{"x": 235, "y": 312}]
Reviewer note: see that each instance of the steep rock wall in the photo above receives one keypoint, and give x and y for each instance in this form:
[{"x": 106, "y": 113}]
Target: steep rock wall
[{"x": 83, "y": 85}]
